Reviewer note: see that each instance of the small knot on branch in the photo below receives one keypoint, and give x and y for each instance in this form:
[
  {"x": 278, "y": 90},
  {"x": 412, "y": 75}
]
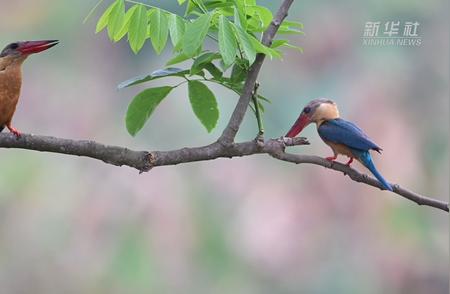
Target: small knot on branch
[
  {"x": 295, "y": 141},
  {"x": 260, "y": 141},
  {"x": 149, "y": 163},
  {"x": 255, "y": 89},
  {"x": 276, "y": 22}
]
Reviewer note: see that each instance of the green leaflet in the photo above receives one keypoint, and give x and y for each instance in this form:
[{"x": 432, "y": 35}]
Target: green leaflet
[
  {"x": 116, "y": 18},
  {"x": 159, "y": 30},
  {"x": 195, "y": 35},
  {"x": 201, "y": 61},
  {"x": 285, "y": 43},
  {"x": 177, "y": 59},
  {"x": 227, "y": 41},
  {"x": 177, "y": 27},
  {"x": 246, "y": 43},
  {"x": 142, "y": 107},
  {"x": 137, "y": 32},
  {"x": 203, "y": 104},
  {"x": 104, "y": 19},
  {"x": 214, "y": 71},
  {"x": 240, "y": 18},
  {"x": 260, "y": 17},
  {"x": 291, "y": 27},
  {"x": 260, "y": 48},
  {"x": 126, "y": 24},
  {"x": 238, "y": 74}
]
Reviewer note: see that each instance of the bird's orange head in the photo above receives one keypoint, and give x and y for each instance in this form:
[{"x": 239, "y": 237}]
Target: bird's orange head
[
  {"x": 317, "y": 111},
  {"x": 26, "y": 48}
]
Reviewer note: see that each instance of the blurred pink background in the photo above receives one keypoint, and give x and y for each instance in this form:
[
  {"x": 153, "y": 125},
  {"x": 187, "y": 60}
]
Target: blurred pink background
[{"x": 247, "y": 225}]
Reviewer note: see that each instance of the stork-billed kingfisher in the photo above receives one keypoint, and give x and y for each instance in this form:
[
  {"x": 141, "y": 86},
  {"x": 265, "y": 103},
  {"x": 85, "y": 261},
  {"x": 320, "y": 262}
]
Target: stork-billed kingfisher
[
  {"x": 11, "y": 60},
  {"x": 342, "y": 136}
]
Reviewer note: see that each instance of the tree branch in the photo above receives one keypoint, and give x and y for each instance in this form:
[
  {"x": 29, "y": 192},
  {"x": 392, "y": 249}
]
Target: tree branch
[
  {"x": 229, "y": 133},
  {"x": 223, "y": 147},
  {"x": 144, "y": 160},
  {"x": 362, "y": 178},
  {"x": 109, "y": 154}
]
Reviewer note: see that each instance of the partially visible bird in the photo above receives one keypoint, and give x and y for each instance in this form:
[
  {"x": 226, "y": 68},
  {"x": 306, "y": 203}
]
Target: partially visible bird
[
  {"x": 11, "y": 59},
  {"x": 342, "y": 136}
]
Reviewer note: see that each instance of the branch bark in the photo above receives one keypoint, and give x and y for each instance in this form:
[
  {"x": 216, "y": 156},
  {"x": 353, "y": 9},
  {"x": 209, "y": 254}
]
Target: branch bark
[
  {"x": 144, "y": 160},
  {"x": 109, "y": 154}
]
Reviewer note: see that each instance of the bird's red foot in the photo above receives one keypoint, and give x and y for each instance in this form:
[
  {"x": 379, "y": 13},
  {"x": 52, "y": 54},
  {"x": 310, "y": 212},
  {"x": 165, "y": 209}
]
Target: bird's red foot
[
  {"x": 331, "y": 158},
  {"x": 14, "y": 131},
  {"x": 349, "y": 162}
]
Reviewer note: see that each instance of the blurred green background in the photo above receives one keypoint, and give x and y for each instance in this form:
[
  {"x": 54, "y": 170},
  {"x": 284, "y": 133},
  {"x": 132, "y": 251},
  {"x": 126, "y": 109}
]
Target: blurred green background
[{"x": 247, "y": 225}]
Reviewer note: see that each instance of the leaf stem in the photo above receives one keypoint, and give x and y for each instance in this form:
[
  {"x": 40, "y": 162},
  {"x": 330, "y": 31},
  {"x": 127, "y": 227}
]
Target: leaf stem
[
  {"x": 148, "y": 5},
  {"x": 257, "y": 110},
  {"x": 222, "y": 84},
  {"x": 92, "y": 11},
  {"x": 199, "y": 6},
  {"x": 212, "y": 37},
  {"x": 181, "y": 83}
]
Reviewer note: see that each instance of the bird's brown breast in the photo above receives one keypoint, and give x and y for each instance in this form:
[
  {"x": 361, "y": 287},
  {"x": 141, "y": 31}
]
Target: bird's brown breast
[
  {"x": 340, "y": 149},
  {"x": 10, "y": 84}
]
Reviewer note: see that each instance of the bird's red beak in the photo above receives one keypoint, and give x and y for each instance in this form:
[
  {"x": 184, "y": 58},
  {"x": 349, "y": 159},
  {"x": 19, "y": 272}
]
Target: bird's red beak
[
  {"x": 31, "y": 47},
  {"x": 302, "y": 121}
]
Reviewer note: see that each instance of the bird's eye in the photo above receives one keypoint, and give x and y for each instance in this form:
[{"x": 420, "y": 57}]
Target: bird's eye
[
  {"x": 14, "y": 46},
  {"x": 307, "y": 109}
]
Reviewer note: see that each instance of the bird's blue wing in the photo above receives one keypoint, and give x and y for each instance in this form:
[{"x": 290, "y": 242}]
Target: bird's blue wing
[{"x": 344, "y": 132}]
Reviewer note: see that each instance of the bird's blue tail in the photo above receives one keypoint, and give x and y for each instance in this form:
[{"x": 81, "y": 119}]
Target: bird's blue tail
[{"x": 366, "y": 159}]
